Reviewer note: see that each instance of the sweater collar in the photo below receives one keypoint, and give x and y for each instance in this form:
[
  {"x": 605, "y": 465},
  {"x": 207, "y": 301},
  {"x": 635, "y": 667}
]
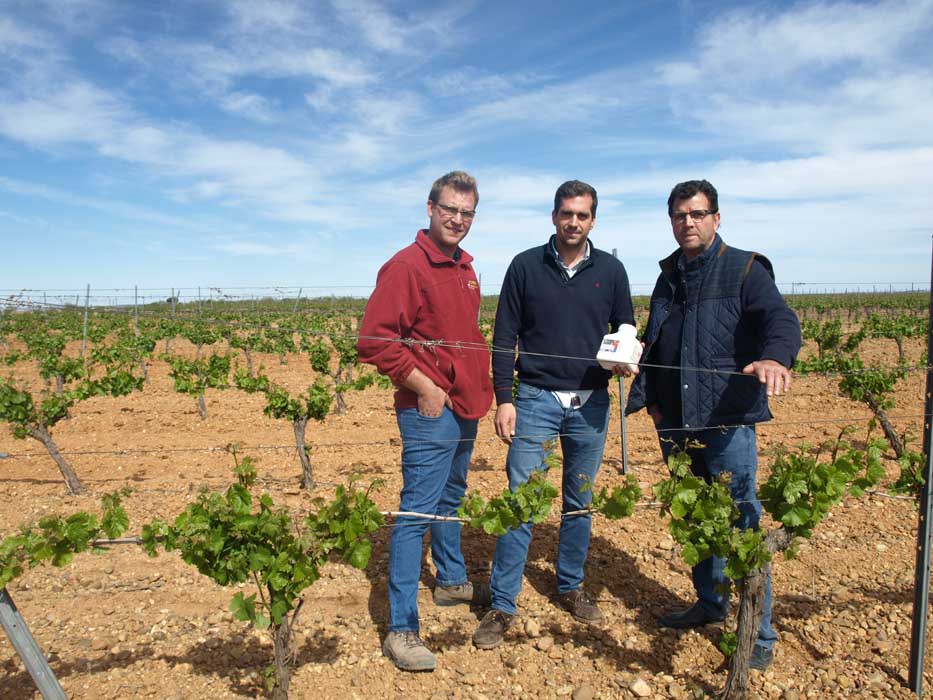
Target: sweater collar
[{"x": 423, "y": 241}]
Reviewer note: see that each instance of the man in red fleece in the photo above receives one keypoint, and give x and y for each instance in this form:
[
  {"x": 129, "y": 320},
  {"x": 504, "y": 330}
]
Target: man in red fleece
[{"x": 420, "y": 329}]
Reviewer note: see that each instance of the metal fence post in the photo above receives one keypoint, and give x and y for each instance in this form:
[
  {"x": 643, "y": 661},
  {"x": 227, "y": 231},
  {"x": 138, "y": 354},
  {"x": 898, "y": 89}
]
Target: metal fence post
[
  {"x": 87, "y": 303},
  {"x": 918, "y": 630},
  {"x": 622, "y": 426},
  {"x": 30, "y": 653}
]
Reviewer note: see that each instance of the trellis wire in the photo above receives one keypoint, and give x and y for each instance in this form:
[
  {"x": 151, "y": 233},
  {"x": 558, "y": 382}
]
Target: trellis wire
[
  {"x": 391, "y": 442},
  {"x": 482, "y": 347}
]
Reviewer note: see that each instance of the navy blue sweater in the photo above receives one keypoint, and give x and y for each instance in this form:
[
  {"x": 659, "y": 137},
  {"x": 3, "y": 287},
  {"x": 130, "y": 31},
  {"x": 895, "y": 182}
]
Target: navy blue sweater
[{"x": 547, "y": 312}]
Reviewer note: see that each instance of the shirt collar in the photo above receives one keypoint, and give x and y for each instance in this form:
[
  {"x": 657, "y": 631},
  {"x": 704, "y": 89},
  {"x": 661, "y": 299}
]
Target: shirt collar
[{"x": 553, "y": 249}]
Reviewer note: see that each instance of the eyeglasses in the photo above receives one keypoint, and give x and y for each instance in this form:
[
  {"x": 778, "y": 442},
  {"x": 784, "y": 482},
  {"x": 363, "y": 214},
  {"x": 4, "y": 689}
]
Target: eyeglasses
[
  {"x": 680, "y": 217},
  {"x": 451, "y": 212}
]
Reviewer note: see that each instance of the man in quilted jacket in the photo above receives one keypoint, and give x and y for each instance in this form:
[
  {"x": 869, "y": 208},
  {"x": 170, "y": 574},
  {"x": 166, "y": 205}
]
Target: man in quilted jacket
[{"x": 720, "y": 340}]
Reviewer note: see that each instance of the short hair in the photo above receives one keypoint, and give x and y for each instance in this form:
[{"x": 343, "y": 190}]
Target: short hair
[
  {"x": 458, "y": 180},
  {"x": 575, "y": 188},
  {"x": 691, "y": 188}
]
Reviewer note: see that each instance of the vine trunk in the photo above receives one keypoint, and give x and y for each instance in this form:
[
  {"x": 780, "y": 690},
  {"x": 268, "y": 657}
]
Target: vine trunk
[
  {"x": 751, "y": 597},
  {"x": 751, "y": 593},
  {"x": 889, "y": 432},
  {"x": 341, "y": 403},
  {"x": 307, "y": 477},
  {"x": 283, "y": 658},
  {"x": 72, "y": 482}
]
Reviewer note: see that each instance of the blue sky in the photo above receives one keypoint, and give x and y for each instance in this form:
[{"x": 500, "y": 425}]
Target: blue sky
[{"x": 234, "y": 144}]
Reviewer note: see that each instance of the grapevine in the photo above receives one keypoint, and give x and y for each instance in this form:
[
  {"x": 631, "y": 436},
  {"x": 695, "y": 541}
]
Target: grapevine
[
  {"x": 195, "y": 377},
  {"x": 55, "y": 540},
  {"x": 34, "y": 418},
  {"x": 240, "y": 536},
  {"x": 314, "y": 403},
  {"x": 798, "y": 494}
]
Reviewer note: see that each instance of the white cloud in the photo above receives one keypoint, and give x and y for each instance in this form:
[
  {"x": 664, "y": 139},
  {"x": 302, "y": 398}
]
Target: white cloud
[
  {"x": 333, "y": 66},
  {"x": 388, "y": 114},
  {"x": 858, "y": 175},
  {"x": 415, "y": 32},
  {"x": 821, "y": 76},
  {"x": 516, "y": 190},
  {"x": 215, "y": 71},
  {"x": 265, "y": 177},
  {"x": 201, "y": 191},
  {"x": 836, "y": 217},
  {"x": 468, "y": 80},
  {"x": 815, "y": 111},
  {"x": 848, "y": 115},
  {"x": 16, "y": 38},
  {"x": 752, "y": 44},
  {"x": 25, "y": 221},
  {"x": 275, "y": 16},
  {"x": 110, "y": 206},
  {"x": 221, "y": 65},
  {"x": 244, "y": 164},
  {"x": 66, "y": 17},
  {"x": 136, "y": 141},
  {"x": 322, "y": 99},
  {"x": 209, "y": 188},
  {"x": 547, "y": 105},
  {"x": 251, "y": 106},
  {"x": 381, "y": 30},
  {"x": 360, "y": 148},
  {"x": 126, "y": 49}
]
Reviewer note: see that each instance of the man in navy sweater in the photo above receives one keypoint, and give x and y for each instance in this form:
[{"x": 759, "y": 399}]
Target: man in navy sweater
[
  {"x": 557, "y": 302},
  {"x": 716, "y": 315}
]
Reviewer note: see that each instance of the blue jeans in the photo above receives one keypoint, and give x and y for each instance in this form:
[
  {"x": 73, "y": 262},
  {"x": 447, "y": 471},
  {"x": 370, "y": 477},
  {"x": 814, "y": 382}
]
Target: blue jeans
[
  {"x": 732, "y": 450},
  {"x": 582, "y": 431},
  {"x": 435, "y": 459}
]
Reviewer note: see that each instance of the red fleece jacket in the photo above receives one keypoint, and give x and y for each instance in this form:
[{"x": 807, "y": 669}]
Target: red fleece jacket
[{"x": 421, "y": 294}]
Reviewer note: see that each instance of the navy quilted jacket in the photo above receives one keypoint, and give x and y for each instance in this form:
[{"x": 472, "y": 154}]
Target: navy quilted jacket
[{"x": 727, "y": 324}]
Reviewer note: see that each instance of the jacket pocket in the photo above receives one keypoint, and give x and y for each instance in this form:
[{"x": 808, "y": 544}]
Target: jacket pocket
[{"x": 447, "y": 374}]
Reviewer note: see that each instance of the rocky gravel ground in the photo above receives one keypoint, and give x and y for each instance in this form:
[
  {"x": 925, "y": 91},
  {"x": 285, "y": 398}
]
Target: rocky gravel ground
[{"x": 122, "y": 625}]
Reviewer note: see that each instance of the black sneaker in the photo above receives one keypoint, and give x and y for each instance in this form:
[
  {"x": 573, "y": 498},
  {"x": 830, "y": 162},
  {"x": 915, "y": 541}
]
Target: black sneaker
[
  {"x": 761, "y": 659},
  {"x": 491, "y": 630},
  {"x": 580, "y": 605},
  {"x": 694, "y": 616}
]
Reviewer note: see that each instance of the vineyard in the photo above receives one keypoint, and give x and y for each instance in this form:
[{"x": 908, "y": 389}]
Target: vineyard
[{"x": 258, "y": 416}]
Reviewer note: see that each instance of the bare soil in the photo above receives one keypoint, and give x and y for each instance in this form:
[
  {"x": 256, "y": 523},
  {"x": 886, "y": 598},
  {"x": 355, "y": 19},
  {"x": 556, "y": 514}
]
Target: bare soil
[{"x": 122, "y": 625}]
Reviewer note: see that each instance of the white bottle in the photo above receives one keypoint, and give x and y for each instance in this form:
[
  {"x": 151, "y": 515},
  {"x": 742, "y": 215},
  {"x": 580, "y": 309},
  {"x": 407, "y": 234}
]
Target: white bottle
[{"x": 620, "y": 348}]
